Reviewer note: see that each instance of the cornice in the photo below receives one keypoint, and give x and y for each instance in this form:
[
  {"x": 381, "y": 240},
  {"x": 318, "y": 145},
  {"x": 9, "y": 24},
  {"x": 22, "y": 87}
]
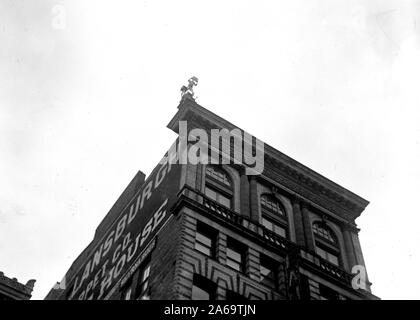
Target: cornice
[
  {"x": 279, "y": 167},
  {"x": 16, "y": 285},
  {"x": 193, "y": 199}
]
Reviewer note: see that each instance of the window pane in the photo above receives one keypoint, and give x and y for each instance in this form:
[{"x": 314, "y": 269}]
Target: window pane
[
  {"x": 267, "y": 224},
  {"x": 233, "y": 264},
  {"x": 145, "y": 273},
  {"x": 143, "y": 282},
  {"x": 203, "y": 249},
  {"x": 199, "y": 294},
  {"x": 276, "y": 228},
  {"x": 144, "y": 286},
  {"x": 326, "y": 293},
  {"x": 329, "y": 256},
  {"x": 280, "y": 231},
  {"x": 217, "y": 196},
  {"x": 203, "y": 239},
  {"x": 210, "y": 193},
  {"x": 265, "y": 272},
  {"x": 224, "y": 200},
  {"x": 321, "y": 252},
  {"x": 127, "y": 294},
  {"x": 324, "y": 232},
  {"x": 235, "y": 253},
  {"x": 236, "y": 256},
  {"x": 272, "y": 204},
  {"x": 218, "y": 174},
  {"x": 268, "y": 269},
  {"x": 269, "y": 282},
  {"x": 332, "y": 258}
]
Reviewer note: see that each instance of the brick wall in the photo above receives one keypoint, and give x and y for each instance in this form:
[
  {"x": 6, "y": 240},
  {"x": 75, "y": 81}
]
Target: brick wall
[{"x": 162, "y": 271}]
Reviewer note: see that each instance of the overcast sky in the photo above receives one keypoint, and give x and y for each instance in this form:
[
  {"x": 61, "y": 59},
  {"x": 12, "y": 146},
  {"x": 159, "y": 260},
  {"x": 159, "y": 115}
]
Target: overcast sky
[{"x": 85, "y": 100}]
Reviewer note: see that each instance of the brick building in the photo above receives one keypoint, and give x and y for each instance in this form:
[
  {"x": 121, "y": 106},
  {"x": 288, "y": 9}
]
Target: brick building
[
  {"x": 12, "y": 289},
  {"x": 213, "y": 232}
]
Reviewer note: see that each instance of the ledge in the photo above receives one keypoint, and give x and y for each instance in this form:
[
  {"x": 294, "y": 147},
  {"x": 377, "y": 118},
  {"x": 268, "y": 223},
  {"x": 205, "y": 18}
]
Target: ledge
[
  {"x": 198, "y": 201},
  {"x": 297, "y": 177}
]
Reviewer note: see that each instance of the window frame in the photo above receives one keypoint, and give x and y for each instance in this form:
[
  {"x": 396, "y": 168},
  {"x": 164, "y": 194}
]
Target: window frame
[
  {"x": 218, "y": 193},
  {"x": 329, "y": 292},
  {"x": 218, "y": 187},
  {"x": 131, "y": 289},
  {"x": 205, "y": 285},
  {"x": 269, "y": 264},
  {"x": 209, "y": 233},
  {"x": 280, "y": 214},
  {"x": 274, "y": 217},
  {"x": 140, "y": 292},
  {"x": 239, "y": 249},
  {"x": 324, "y": 243},
  {"x": 277, "y": 223},
  {"x": 329, "y": 251},
  {"x": 228, "y": 184},
  {"x": 327, "y": 234},
  {"x": 127, "y": 289}
]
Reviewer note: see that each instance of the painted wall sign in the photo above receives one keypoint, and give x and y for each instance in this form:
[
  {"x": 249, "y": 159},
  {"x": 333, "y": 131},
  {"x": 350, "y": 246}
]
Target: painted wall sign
[{"x": 128, "y": 236}]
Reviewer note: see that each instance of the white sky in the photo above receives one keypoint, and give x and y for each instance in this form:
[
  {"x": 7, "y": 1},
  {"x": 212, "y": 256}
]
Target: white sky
[{"x": 333, "y": 84}]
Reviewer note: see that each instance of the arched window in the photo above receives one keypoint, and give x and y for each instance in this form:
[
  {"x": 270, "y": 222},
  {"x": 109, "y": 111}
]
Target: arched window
[
  {"x": 219, "y": 186},
  {"x": 324, "y": 232},
  {"x": 219, "y": 175},
  {"x": 273, "y": 215},
  {"x": 272, "y": 204},
  {"x": 326, "y": 243}
]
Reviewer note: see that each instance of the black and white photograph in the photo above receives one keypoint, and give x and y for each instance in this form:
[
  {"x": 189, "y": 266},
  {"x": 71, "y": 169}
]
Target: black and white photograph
[{"x": 229, "y": 151}]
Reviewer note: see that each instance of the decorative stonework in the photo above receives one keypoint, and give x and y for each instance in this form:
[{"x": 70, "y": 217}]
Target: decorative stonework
[
  {"x": 20, "y": 291},
  {"x": 282, "y": 169},
  {"x": 193, "y": 262}
]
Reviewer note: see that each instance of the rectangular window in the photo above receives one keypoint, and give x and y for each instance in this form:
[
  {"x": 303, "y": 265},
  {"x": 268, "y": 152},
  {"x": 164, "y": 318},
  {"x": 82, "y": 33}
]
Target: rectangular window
[
  {"x": 274, "y": 227},
  {"x": 218, "y": 197},
  {"x": 205, "y": 239},
  {"x": 142, "y": 291},
  {"x": 268, "y": 272},
  {"x": 203, "y": 289},
  {"x": 69, "y": 292},
  {"x": 329, "y": 256},
  {"x": 127, "y": 290},
  {"x": 127, "y": 294},
  {"x": 326, "y": 293},
  {"x": 199, "y": 293},
  {"x": 137, "y": 286},
  {"x": 235, "y": 255}
]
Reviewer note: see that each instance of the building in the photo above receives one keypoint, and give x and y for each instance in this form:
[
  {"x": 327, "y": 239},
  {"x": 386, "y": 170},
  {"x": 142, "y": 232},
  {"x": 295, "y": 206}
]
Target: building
[
  {"x": 12, "y": 289},
  {"x": 196, "y": 231}
]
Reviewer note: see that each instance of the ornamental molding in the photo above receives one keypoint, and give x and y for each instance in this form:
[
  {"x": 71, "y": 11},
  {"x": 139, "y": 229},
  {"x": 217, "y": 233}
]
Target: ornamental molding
[
  {"x": 282, "y": 169},
  {"x": 14, "y": 284}
]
